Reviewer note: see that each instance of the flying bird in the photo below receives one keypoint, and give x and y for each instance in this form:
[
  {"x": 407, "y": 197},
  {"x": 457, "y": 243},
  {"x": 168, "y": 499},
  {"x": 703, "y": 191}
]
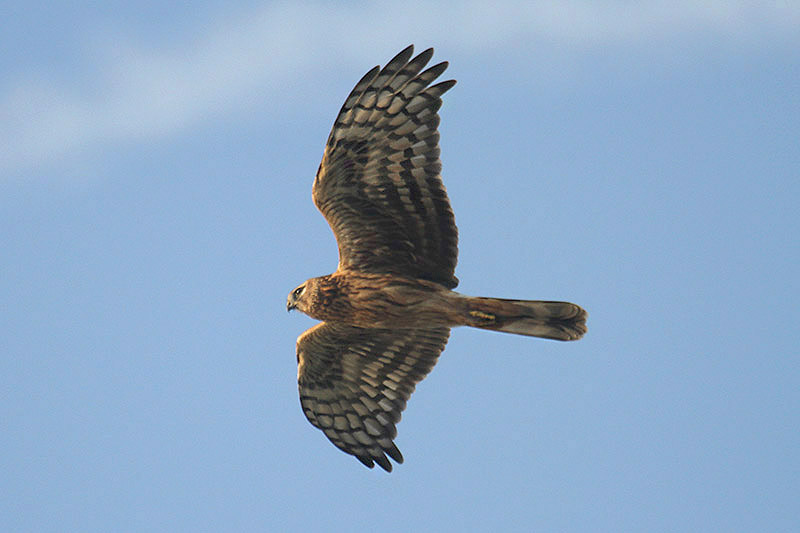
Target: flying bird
[{"x": 387, "y": 310}]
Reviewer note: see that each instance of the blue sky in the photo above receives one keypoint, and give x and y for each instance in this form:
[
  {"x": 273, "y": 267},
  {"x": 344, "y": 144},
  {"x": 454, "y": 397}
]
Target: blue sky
[{"x": 641, "y": 160}]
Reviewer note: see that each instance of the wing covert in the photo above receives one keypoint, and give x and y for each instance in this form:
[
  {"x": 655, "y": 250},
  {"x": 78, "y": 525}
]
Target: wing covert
[
  {"x": 379, "y": 183},
  {"x": 354, "y": 383}
]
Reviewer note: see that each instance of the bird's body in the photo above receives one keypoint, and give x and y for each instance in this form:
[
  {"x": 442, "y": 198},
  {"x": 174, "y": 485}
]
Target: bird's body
[
  {"x": 391, "y": 301},
  {"x": 377, "y": 300},
  {"x": 388, "y": 309}
]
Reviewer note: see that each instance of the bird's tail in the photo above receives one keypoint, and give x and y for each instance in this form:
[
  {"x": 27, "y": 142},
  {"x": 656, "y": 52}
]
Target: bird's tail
[{"x": 561, "y": 321}]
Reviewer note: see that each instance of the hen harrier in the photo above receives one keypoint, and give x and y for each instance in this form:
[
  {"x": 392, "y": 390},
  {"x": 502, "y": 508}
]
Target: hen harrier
[{"x": 388, "y": 309}]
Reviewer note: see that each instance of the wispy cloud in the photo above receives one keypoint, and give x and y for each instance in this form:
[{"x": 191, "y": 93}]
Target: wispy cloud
[{"x": 143, "y": 91}]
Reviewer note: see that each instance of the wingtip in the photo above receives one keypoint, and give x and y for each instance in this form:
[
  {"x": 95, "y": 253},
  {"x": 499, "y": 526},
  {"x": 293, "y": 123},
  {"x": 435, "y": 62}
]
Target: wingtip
[
  {"x": 404, "y": 55},
  {"x": 394, "y": 453},
  {"x": 425, "y": 55},
  {"x": 380, "y": 459},
  {"x": 366, "y": 461},
  {"x": 383, "y": 462}
]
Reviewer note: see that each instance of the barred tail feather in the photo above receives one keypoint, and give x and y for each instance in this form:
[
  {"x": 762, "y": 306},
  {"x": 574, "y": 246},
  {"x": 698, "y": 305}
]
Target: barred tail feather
[{"x": 561, "y": 321}]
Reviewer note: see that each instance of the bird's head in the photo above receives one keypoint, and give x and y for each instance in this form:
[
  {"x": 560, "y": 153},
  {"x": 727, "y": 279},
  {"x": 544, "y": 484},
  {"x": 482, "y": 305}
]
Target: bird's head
[{"x": 297, "y": 299}]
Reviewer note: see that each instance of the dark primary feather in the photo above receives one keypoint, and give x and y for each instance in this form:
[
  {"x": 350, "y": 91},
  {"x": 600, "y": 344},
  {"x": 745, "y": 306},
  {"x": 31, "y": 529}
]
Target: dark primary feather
[
  {"x": 354, "y": 383},
  {"x": 379, "y": 185}
]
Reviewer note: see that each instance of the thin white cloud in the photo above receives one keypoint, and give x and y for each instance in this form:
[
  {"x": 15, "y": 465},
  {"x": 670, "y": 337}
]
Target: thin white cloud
[{"x": 141, "y": 91}]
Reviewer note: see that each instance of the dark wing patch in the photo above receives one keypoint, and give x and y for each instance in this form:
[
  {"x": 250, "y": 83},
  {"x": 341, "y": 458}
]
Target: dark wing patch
[
  {"x": 379, "y": 185},
  {"x": 354, "y": 383}
]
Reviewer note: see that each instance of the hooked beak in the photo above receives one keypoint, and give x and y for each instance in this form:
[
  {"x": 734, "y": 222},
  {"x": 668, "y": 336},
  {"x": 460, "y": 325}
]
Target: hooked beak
[{"x": 290, "y": 306}]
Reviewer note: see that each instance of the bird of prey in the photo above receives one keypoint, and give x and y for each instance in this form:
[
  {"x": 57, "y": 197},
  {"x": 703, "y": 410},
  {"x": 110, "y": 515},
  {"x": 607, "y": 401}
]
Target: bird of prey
[{"x": 388, "y": 309}]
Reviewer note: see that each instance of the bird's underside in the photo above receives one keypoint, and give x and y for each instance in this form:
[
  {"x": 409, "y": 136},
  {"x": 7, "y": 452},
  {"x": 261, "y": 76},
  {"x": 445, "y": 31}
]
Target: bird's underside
[
  {"x": 388, "y": 309},
  {"x": 391, "y": 301}
]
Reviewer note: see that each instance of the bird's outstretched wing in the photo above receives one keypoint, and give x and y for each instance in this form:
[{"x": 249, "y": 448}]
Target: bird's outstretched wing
[
  {"x": 354, "y": 383},
  {"x": 378, "y": 184}
]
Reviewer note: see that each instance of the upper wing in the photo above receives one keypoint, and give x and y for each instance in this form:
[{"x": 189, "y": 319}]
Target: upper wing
[
  {"x": 378, "y": 184},
  {"x": 354, "y": 383}
]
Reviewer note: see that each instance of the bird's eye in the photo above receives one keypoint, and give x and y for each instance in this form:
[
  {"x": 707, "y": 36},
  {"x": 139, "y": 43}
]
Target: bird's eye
[{"x": 298, "y": 291}]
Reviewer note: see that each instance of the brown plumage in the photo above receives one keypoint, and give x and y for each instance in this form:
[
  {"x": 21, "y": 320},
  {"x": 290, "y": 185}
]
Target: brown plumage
[{"x": 389, "y": 307}]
